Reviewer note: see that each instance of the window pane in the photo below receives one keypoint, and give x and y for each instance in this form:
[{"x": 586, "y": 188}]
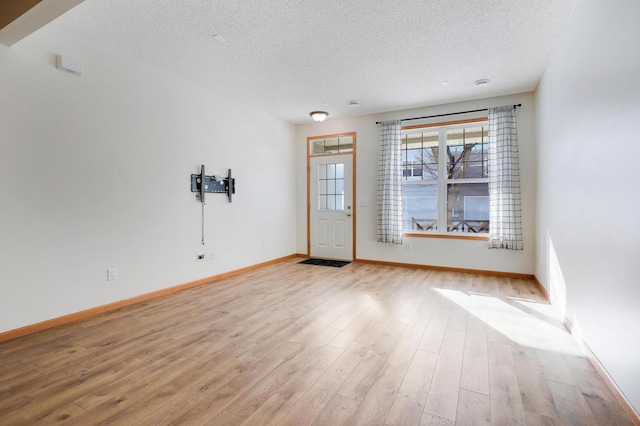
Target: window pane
[
  {"x": 331, "y": 187},
  {"x": 331, "y": 171},
  {"x": 331, "y": 202},
  {"x": 420, "y": 206},
  {"x": 420, "y": 155},
  {"x": 467, "y": 152},
  {"x": 317, "y": 147},
  {"x": 430, "y": 167},
  {"x": 332, "y": 145},
  {"x": 322, "y": 171},
  {"x": 468, "y": 207},
  {"x": 322, "y": 202}
]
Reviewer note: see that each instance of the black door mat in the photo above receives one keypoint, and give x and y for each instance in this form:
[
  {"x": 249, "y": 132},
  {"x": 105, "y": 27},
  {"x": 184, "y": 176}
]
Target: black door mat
[{"x": 325, "y": 262}]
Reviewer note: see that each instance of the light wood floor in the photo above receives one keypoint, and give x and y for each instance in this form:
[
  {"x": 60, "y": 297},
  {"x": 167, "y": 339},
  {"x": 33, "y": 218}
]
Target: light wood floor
[{"x": 299, "y": 344}]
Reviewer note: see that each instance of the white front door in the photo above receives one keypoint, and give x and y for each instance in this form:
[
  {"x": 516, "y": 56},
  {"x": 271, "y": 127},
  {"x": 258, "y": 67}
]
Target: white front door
[{"x": 330, "y": 206}]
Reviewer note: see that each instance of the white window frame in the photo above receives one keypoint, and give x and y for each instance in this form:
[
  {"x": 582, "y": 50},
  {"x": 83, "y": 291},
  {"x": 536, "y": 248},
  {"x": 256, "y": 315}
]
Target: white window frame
[{"x": 443, "y": 182}]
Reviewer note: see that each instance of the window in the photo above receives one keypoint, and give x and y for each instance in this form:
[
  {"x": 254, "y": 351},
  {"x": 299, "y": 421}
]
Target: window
[
  {"x": 331, "y": 186},
  {"x": 445, "y": 184},
  {"x": 332, "y": 145}
]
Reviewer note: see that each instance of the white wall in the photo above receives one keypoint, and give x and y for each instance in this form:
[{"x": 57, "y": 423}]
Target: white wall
[
  {"x": 425, "y": 251},
  {"x": 589, "y": 202},
  {"x": 95, "y": 173}
]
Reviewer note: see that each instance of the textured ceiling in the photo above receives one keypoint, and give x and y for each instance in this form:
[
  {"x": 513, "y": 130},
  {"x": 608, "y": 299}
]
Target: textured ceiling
[{"x": 290, "y": 57}]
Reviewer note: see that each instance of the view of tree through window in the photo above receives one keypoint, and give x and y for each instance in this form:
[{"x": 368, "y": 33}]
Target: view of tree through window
[{"x": 445, "y": 179}]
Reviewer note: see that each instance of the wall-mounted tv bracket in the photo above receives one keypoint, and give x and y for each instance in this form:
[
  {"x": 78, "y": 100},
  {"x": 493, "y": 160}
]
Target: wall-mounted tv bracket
[{"x": 201, "y": 184}]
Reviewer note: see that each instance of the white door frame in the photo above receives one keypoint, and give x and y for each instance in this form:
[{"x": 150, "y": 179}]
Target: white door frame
[{"x": 353, "y": 179}]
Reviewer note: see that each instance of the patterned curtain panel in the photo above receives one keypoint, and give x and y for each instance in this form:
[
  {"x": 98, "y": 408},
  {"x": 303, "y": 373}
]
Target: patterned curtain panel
[
  {"x": 390, "y": 184},
  {"x": 505, "y": 231}
]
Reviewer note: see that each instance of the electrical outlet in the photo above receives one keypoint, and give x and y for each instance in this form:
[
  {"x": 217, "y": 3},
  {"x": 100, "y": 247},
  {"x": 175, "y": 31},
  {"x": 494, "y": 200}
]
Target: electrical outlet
[
  {"x": 407, "y": 246},
  {"x": 209, "y": 255},
  {"x": 112, "y": 274},
  {"x": 264, "y": 245}
]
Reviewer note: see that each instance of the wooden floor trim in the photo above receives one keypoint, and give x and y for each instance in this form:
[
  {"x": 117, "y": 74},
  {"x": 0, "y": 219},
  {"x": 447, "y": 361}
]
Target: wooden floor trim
[
  {"x": 65, "y": 319},
  {"x": 602, "y": 372},
  {"x": 606, "y": 378},
  {"x": 449, "y": 269},
  {"x": 542, "y": 288}
]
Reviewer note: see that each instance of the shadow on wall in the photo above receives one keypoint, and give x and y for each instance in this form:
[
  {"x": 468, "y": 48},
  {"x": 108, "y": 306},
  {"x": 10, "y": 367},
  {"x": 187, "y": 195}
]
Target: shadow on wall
[{"x": 557, "y": 285}]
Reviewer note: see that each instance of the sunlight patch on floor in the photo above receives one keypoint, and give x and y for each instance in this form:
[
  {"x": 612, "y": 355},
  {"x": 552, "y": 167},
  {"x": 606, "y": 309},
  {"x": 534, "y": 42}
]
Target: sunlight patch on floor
[{"x": 519, "y": 326}]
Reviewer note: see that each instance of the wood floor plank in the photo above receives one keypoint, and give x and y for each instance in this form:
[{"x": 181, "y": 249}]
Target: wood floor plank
[
  {"x": 435, "y": 330},
  {"x": 534, "y": 419},
  {"x": 571, "y": 404},
  {"x": 291, "y": 344},
  {"x": 55, "y": 394},
  {"x": 595, "y": 392},
  {"x": 337, "y": 412},
  {"x": 429, "y": 419},
  {"x": 363, "y": 377},
  {"x": 473, "y": 409},
  {"x": 555, "y": 367},
  {"x": 115, "y": 406},
  {"x": 475, "y": 361},
  {"x": 458, "y": 318},
  {"x": 376, "y": 405},
  {"x": 416, "y": 327},
  {"x": 317, "y": 397},
  {"x": 63, "y": 415},
  {"x": 210, "y": 395},
  {"x": 248, "y": 402},
  {"x": 534, "y": 390},
  {"x": 410, "y": 400},
  {"x": 442, "y": 399},
  {"x": 506, "y": 403},
  {"x": 225, "y": 419},
  {"x": 272, "y": 411}
]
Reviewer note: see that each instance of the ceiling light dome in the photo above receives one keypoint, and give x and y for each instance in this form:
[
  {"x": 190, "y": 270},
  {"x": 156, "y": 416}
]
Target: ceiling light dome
[{"x": 318, "y": 115}]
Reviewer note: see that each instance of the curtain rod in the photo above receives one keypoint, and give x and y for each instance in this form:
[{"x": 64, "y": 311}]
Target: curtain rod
[{"x": 451, "y": 113}]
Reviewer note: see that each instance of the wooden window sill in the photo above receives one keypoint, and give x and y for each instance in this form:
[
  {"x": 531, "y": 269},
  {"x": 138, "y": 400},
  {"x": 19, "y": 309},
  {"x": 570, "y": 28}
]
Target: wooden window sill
[{"x": 482, "y": 237}]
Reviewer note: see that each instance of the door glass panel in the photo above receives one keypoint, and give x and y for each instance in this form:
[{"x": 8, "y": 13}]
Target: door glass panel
[
  {"x": 331, "y": 186},
  {"x": 322, "y": 202},
  {"x": 331, "y": 171},
  {"x": 322, "y": 171}
]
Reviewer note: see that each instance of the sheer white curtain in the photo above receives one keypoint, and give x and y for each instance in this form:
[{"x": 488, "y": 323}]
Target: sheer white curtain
[
  {"x": 505, "y": 230},
  {"x": 390, "y": 183}
]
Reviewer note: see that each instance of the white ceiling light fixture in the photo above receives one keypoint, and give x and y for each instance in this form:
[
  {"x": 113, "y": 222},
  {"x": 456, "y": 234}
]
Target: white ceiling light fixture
[
  {"x": 319, "y": 115},
  {"x": 481, "y": 83}
]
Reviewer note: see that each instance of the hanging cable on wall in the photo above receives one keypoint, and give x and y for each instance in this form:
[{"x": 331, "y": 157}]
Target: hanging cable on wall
[{"x": 202, "y": 222}]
